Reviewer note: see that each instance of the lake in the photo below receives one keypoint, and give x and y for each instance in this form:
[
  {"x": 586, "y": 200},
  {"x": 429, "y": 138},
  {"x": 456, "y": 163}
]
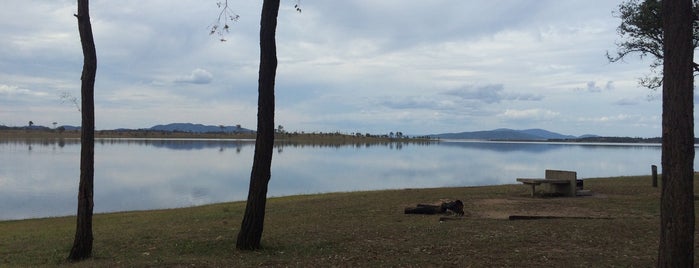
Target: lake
[{"x": 40, "y": 178}]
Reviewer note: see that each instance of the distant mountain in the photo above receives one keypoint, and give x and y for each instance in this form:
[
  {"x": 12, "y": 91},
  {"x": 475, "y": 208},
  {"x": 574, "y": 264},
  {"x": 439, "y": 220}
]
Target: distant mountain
[
  {"x": 180, "y": 127},
  {"x": 70, "y": 128},
  {"x": 198, "y": 128},
  {"x": 505, "y": 134},
  {"x": 36, "y": 127},
  {"x": 588, "y": 136},
  {"x": 547, "y": 134}
]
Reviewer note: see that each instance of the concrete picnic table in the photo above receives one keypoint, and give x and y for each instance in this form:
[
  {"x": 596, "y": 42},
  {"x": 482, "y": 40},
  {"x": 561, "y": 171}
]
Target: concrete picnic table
[{"x": 560, "y": 182}]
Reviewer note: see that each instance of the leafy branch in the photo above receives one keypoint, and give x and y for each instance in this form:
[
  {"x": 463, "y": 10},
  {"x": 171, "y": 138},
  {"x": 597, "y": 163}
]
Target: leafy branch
[
  {"x": 642, "y": 33},
  {"x": 67, "y": 97},
  {"x": 227, "y": 16}
]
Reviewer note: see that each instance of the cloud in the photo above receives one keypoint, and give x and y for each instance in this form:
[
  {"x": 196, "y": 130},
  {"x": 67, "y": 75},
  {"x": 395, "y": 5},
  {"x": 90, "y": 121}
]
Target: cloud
[
  {"x": 592, "y": 86},
  {"x": 493, "y": 93},
  {"x": 536, "y": 113},
  {"x": 198, "y": 76},
  {"x": 627, "y": 102},
  {"x": 417, "y": 103},
  {"x": 13, "y": 91},
  {"x": 349, "y": 66},
  {"x": 608, "y": 119}
]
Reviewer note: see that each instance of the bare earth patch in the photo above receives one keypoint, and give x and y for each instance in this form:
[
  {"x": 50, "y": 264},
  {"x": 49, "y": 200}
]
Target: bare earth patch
[{"x": 503, "y": 208}]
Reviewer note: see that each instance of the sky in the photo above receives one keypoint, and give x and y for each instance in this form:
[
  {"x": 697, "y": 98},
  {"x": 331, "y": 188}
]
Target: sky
[{"x": 418, "y": 67}]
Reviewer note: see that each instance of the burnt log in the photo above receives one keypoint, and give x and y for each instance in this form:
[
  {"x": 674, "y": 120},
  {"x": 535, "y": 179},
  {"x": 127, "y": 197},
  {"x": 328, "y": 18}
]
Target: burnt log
[
  {"x": 425, "y": 209},
  {"x": 456, "y": 207}
]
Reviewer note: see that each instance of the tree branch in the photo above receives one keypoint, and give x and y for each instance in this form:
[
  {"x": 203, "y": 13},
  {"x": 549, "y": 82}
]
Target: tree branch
[{"x": 225, "y": 15}]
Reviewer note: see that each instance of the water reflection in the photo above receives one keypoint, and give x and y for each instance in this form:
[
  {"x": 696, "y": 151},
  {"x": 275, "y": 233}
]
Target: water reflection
[
  {"x": 39, "y": 178},
  {"x": 536, "y": 147}
]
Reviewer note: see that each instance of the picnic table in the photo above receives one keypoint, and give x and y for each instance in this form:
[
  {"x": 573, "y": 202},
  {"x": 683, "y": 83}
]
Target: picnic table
[{"x": 558, "y": 182}]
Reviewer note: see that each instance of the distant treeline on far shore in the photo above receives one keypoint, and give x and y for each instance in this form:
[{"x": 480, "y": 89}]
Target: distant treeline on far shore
[
  {"x": 61, "y": 132},
  {"x": 74, "y": 132},
  {"x": 614, "y": 140}
]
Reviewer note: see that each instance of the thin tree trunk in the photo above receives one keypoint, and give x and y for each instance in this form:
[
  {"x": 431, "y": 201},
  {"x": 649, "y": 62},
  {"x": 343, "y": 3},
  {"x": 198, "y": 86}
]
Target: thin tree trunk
[
  {"x": 253, "y": 221},
  {"x": 676, "y": 248},
  {"x": 82, "y": 245}
]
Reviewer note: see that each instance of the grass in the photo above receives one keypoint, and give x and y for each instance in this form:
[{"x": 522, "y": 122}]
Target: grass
[{"x": 369, "y": 229}]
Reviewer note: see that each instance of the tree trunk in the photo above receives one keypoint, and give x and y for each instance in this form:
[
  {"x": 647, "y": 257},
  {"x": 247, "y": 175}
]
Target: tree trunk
[
  {"x": 676, "y": 247},
  {"x": 253, "y": 221},
  {"x": 82, "y": 245}
]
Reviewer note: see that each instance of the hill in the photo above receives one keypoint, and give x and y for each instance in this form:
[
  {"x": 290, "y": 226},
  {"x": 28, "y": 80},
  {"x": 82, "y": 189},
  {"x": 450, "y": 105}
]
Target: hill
[{"x": 506, "y": 134}]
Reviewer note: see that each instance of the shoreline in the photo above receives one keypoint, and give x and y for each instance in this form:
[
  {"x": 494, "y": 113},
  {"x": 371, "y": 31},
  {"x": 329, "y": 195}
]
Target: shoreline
[{"x": 312, "y": 195}]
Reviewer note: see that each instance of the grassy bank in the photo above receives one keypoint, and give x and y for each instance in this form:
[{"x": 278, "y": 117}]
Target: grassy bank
[{"x": 617, "y": 226}]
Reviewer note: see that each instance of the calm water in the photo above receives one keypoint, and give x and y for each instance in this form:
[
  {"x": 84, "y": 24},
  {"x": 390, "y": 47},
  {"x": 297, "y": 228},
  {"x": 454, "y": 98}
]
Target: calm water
[{"x": 40, "y": 179}]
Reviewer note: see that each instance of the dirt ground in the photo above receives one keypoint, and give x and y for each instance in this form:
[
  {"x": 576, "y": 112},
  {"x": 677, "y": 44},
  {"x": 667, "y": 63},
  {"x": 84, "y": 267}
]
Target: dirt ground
[{"x": 503, "y": 208}]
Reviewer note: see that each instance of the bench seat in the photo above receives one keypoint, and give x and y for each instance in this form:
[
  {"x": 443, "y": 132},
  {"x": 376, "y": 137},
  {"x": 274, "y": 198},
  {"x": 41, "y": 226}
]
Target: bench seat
[
  {"x": 540, "y": 181},
  {"x": 559, "y": 182}
]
